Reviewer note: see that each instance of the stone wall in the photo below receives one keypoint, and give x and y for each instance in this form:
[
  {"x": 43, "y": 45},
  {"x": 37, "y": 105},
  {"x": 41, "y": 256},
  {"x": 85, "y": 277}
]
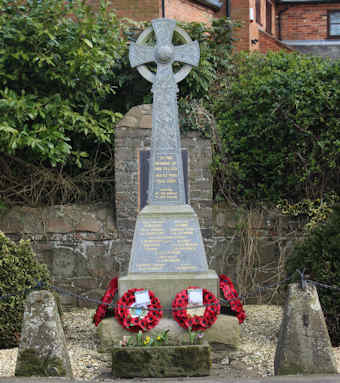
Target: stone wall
[
  {"x": 84, "y": 250},
  {"x": 323, "y": 48},
  {"x": 252, "y": 248},
  {"x": 79, "y": 244}
]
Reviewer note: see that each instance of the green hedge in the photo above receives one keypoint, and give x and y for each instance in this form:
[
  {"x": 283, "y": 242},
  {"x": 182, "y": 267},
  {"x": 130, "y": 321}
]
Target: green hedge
[{"x": 278, "y": 128}]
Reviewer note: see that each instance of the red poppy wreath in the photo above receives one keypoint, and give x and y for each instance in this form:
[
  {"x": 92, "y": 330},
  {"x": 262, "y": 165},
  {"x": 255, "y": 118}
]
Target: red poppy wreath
[
  {"x": 196, "y": 322},
  {"x": 230, "y": 294},
  {"x": 135, "y": 319}
]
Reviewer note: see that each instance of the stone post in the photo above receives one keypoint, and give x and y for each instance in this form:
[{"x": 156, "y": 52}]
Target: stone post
[
  {"x": 304, "y": 346},
  {"x": 42, "y": 349}
]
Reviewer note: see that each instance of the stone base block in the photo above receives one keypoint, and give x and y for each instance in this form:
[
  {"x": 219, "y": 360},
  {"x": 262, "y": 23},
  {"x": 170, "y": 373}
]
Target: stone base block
[
  {"x": 226, "y": 330},
  {"x": 161, "y": 362},
  {"x": 42, "y": 349},
  {"x": 167, "y": 285},
  {"x": 304, "y": 346}
]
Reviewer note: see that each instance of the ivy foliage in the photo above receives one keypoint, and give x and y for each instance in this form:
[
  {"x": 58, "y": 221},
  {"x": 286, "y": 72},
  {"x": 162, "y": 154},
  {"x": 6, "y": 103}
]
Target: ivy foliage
[
  {"x": 318, "y": 255},
  {"x": 216, "y": 43},
  {"x": 59, "y": 65},
  {"x": 20, "y": 272},
  {"x": 199, "y": 89},
  {"x": 278, "y": 128}
]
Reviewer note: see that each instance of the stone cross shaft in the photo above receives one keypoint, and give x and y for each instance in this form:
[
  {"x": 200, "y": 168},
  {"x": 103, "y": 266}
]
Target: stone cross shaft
[{"x": 166, "y": 180}]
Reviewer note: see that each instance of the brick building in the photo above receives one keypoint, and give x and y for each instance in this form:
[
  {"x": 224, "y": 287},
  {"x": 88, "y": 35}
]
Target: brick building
[
  {"x": 309, "y": 26},
  {"x": 182, "y": 10}
]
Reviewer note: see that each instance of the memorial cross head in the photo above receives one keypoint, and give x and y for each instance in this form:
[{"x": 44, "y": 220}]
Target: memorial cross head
[{"x": 164, "y": 53}]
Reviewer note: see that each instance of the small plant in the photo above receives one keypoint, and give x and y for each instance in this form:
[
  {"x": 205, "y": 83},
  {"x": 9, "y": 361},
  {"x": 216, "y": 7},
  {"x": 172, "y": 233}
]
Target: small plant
[
  {"x": 162, "y": 338},
  {"x": 195, "y": 337},
  {"x": 141, "y": 340}
]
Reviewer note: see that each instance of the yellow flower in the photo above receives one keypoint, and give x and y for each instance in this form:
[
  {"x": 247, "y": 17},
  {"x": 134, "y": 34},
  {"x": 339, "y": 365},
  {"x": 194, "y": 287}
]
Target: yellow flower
[
  {"x": 147, "y": 340},
  {"x": 158, "y": 338}
]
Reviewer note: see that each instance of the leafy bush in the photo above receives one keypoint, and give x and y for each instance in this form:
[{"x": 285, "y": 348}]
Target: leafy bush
[
  {"x": 59, "y": 66},
  {"x": 19, "y": 272},
  {"x": 216, "y": 44},
  {"x": 318, "y": 254},
  {"x": 278, "y": 128}
]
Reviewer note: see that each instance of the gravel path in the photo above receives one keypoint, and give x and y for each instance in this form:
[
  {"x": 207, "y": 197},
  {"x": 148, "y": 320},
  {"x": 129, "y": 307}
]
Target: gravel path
[{"x": 254, "y": 358}]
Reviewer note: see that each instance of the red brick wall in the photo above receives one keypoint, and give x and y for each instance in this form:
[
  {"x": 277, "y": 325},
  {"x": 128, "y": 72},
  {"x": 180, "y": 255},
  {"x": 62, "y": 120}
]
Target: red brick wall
[
  {"x": 186, "y": 10},
  {"x": 222, "y": 11},
  {"x": 268, "y": 42},
  {"x": 305, "y": 21},
  {"x": 240, "y": 12},
  {"x": 181, "y": 10},
  {"x": 139, "y": 10}
]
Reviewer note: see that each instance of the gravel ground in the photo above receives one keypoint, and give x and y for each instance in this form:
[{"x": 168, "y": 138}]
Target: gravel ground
[{"x": 254, "y": 358}]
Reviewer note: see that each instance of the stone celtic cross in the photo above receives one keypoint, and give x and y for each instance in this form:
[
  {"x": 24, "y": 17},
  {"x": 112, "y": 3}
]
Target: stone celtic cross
[{"x": 166, "y": 180}]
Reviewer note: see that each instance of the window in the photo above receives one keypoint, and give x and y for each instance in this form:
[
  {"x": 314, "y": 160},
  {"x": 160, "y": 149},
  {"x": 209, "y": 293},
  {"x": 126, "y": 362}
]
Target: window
[
  {"x": 334, "y": 24},
  {"x": 268, "y": 16},
  {"x": 258, "y": 11}
]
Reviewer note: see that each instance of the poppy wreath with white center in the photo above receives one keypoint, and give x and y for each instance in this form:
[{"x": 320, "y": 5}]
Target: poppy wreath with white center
[
  {"x": 195, "y": 322},
  {"x": 135, "y": 324}
]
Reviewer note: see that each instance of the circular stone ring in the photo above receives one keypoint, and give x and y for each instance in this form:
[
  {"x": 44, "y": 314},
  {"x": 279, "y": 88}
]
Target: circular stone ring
[{"x": 143, "y": 69}]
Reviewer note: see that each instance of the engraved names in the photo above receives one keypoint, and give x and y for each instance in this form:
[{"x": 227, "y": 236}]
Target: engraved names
[
  {"x": 166, "y": 166},
  {"x": 166, "y": 176},
  {"x": 168, "y": 245}
]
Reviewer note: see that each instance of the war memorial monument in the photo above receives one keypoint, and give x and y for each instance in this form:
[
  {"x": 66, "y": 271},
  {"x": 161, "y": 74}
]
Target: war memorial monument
[{"x": 167, "y": 253}]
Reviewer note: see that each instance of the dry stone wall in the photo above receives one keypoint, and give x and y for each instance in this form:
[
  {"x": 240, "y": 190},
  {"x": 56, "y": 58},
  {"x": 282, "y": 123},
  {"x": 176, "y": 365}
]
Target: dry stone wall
[{"x": 79, "y": 244}]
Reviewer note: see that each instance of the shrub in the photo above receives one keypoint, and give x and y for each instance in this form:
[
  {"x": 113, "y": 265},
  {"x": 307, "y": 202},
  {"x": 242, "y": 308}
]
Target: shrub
[
  {"x": 318, "y": 254},
  {"x": 58, "y": 71},
  {"x": 19, "y": 272},
  {"x": 278, "y": 128}
]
